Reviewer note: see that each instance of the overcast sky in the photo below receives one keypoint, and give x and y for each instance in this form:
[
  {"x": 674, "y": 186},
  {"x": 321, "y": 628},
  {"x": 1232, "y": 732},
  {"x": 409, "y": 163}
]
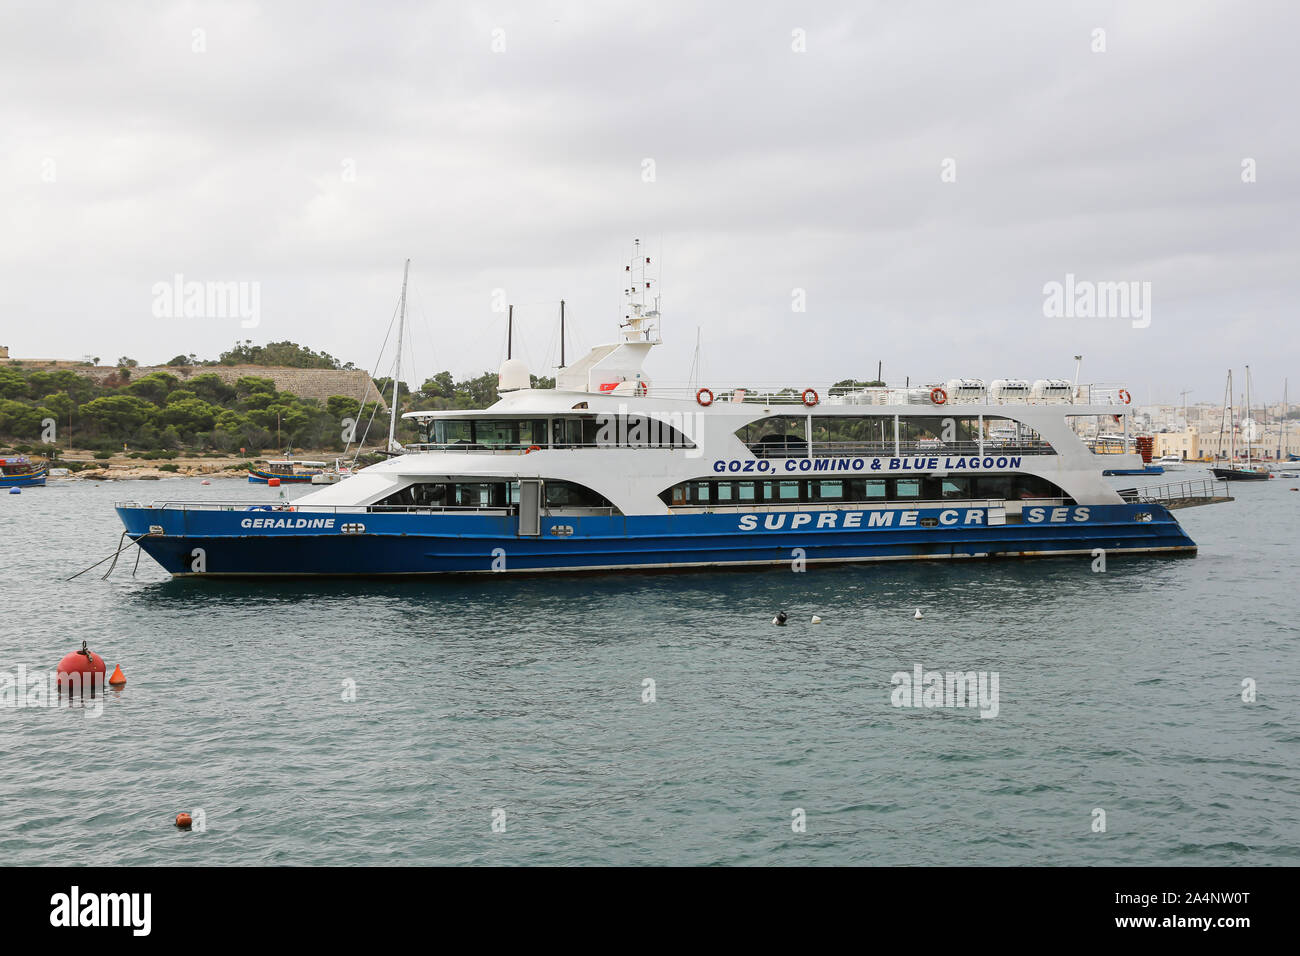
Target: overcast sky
[{"x": 311, "y": 147}]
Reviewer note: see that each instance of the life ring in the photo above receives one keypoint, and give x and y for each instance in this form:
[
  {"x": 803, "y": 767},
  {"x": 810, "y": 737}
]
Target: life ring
[
  {"x": 810, "y": 397},
  {"x": 533, "y": 448},
  {"x": 705, "y": 397},
  {"x": 1124, "y": 396},
  {"x": 938, "y": 395},
  {"x": 642, "y": 389}
]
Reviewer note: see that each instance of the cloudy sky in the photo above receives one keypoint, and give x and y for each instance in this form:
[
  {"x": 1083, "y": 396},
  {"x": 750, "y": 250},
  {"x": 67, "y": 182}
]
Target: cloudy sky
[{"x": 919, "y": 170}]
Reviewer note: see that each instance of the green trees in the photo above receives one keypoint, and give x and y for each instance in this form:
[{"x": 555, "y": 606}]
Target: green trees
[
  {"x": 153, "y": 387},
  {"x": 13, "y": 384},
  {"x": 120, "y": 414},
  {"x": 19, "y": 420},
  {"x": 285, "y": 354}
]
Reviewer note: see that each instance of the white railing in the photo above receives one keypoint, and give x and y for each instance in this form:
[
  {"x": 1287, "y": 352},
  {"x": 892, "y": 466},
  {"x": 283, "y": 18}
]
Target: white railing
[
  {"x": 784, "y": 394},
  {"x": 1208, "y": 489}
]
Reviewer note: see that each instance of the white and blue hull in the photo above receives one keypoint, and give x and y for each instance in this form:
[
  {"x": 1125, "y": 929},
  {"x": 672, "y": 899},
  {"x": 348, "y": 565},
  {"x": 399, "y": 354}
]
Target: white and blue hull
[{"x": 242, "y": 543}]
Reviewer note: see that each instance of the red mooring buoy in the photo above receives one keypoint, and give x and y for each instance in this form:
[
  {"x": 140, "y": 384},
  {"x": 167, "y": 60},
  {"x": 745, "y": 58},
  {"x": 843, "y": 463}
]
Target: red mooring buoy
[
  {"x": 184, "y": 821},
  {"x": 77, "y": 671},
  {"x": 118, "y": 678},
  {"x": 273, "y": 482}
]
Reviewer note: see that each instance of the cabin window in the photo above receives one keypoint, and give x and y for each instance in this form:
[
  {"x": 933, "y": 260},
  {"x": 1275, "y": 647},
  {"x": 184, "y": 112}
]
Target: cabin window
[
  {"x": 954, "y": 488},
  {"x": 905, "y": 488},
  {"x": 569, "y": 494},
  {"x": 826, "y": 490}
]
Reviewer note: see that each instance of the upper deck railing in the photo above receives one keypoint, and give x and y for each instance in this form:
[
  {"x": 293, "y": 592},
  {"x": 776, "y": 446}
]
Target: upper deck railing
[{"x": 1090, "y": 394}]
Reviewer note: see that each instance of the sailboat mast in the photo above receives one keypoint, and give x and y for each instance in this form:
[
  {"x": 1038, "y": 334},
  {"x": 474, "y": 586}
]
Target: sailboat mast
[
  {"x": 561, "y": 333},
  {"x": 1246, "y": 432},
  {"x": 1285, "y": 449},
  {"x": 397, "y": 365},
  {"x": 1226, "y": 418}
]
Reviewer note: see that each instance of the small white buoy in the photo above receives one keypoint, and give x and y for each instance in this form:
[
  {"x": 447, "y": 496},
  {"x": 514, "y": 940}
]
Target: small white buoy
[
  {"x": 780, "y": 618},
  {"x": 917, "y": 616},
  {"x": 816, "y": 619},
  {"x": 205, "y": 482}
]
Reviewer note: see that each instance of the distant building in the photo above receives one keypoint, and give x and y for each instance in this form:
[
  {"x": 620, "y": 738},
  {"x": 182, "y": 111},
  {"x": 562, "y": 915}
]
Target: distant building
[
  {"x": 1185, "y": 444},
  {"x": 4, "y": 351}
]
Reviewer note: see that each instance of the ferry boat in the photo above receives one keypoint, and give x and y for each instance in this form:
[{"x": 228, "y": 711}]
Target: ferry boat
[
  {"x": 612, "y": 471},
  {"x": 288, "y": 470},
  {"x": 19, "y": 471}
]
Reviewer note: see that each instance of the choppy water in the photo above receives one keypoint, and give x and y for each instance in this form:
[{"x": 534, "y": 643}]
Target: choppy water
[{"x": 1119, "y": 691}]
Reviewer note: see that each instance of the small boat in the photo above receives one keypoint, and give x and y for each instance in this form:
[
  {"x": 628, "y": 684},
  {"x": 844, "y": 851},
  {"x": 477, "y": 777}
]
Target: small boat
[
  {"x": 1242, "y": 474},
  {"x": 1152, "y": 469},
  {"x": 1233, "y": 471},
  {"x": 288, "y": 470},
  {"x": 19, "y": 471},
  {"x": 334, "y": 474},
  {"x": 1170, "y": 462}
]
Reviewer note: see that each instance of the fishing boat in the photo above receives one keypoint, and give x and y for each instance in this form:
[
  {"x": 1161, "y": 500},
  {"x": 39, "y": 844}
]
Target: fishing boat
[
  {"x": 610, "y": 470},
  {"x": 1232, "y": 471},
  {"x": 287, "y": 470},
  {"x": 19, "y": 471}
]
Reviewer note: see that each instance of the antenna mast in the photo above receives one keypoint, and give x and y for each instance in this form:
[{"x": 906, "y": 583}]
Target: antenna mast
[{"x": 640, "y": 324}]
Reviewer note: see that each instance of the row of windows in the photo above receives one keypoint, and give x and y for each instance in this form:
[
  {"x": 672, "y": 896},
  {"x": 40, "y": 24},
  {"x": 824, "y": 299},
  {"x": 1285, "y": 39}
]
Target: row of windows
[
  {"x": 949, "y": 429},
  {"x": 857, "y": 490},
  {"x": 604, "y": 430},
  {"x": 488, "y": 494}
]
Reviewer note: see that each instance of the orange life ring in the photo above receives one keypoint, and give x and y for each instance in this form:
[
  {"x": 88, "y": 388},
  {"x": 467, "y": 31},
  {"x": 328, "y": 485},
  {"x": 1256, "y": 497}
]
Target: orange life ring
[
  {"x": 810, "y": 397},
  {"x": 1124, "y": 396},
  {"x": 700, "y": 397},
  {"x": 533, "y": 448},
  {"x": 938, "y": 395}
]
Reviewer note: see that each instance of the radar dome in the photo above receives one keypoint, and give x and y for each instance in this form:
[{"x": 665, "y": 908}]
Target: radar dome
[{"x": 513, "y": 375}]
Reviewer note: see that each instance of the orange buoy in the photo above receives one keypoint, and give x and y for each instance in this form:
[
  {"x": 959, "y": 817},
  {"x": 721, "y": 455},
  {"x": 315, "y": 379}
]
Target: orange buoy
[
  {"x": 273, "y": 482},
  {"x": 80, "y": 668},
  {"x": 118, "y": 678},
  {"x": 184, "y": 821}
]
